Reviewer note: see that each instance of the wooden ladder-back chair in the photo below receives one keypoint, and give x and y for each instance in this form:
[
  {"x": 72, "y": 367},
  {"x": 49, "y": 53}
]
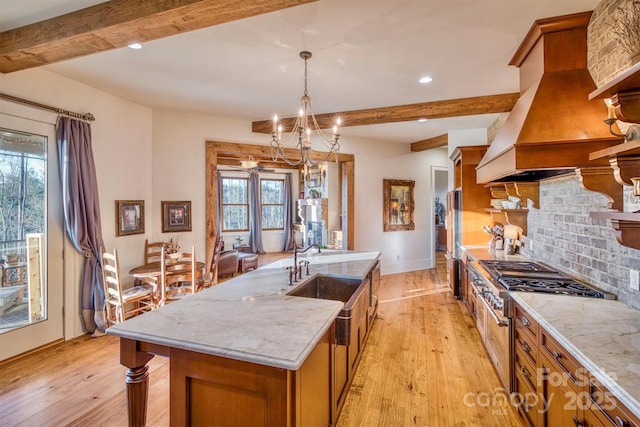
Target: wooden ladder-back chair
[
  {"x": 180, "y": 276},
  {"x": 153, "y": 251},
  {"x": 119, "y": 303},
  {"x": 215, "y": 259}
]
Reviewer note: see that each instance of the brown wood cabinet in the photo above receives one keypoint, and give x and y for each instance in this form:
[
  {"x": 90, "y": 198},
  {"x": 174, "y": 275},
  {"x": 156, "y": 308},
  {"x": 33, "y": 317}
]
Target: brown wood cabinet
[
  {"x": 215, "y": 390},
  {"x": 208, "y": 390},
  {"x": 474, "y": 197},
  {"x": 526, "y": 332},
  {"x": 466, "y": 216},
  {"x": 553, "y": 389}
]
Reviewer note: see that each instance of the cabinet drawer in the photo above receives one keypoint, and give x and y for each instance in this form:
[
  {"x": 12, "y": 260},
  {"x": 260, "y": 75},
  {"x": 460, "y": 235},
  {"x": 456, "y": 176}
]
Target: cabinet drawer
[
  {"x": 525, "y": 342},
  {"x": 524, "y": 321},
  {"x": 607, "y": 408},
  {"x": 526, "y": 400},
  {"x": 566, "y": 363},
  {"x": 524, "y": 368}
]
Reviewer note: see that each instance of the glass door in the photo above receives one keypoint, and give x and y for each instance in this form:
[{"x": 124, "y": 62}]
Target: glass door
[{"x": 31, "y": 237}]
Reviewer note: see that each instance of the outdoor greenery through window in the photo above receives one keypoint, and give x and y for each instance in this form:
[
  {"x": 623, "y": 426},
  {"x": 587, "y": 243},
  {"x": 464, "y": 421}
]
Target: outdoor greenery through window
[
  {"x": 235, "y": 204},
  {"x": 23, "y": 190},
  {"x": 272, "y": 200}
]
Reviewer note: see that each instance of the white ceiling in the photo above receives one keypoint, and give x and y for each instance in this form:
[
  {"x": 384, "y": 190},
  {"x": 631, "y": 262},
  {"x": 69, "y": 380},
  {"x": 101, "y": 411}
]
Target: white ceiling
[{"x": 366, "y": 54}]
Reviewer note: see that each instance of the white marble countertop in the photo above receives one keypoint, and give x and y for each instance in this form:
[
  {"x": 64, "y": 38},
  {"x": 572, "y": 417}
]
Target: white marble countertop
[
  {"x": 250, "y": 317},
  {"x": 603, "y": 335}
]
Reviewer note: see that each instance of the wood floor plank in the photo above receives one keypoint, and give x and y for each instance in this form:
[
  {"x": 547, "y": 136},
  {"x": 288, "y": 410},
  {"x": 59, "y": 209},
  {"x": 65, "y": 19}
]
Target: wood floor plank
[{"x": 422, "y": 358}]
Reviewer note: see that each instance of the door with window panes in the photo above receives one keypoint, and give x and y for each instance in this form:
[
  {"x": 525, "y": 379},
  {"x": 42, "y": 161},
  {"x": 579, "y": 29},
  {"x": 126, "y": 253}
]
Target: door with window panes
[{"x": 31, "y": 237}]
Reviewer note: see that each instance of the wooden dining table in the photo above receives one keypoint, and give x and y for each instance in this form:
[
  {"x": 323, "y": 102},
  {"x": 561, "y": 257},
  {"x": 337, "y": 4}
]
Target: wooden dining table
[{"x": 153, "y": 270}]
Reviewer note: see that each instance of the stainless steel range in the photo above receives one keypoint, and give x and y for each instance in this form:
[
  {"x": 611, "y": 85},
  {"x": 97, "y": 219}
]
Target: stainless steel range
[
  {"x": 529, "y": 276},
  {"x": 493, "y": 280}
]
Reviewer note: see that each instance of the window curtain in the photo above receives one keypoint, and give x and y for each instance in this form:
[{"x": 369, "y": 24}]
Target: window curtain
[
  {"x": 288, "y": 214},
  {"x": 220, "y": 212},
  {"x": 255, "y": 214},
  {"x": 82, "y": 213}
]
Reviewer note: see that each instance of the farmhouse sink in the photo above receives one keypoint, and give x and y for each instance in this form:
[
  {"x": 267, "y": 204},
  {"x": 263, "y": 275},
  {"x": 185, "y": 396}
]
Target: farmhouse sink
[{"x": 345, "y": 289}]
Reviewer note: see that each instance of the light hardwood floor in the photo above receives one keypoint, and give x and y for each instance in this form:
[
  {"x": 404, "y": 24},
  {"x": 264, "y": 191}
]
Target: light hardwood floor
[{"x": 424, "y": 365}]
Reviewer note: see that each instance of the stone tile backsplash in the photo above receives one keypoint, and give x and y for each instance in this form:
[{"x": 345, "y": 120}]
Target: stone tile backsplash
[{"x": 563, "y": 235}]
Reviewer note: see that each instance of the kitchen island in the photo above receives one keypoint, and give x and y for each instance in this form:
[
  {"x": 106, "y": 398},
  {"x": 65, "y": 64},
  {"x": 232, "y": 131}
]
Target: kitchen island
[{"x": 244, "y": 348}]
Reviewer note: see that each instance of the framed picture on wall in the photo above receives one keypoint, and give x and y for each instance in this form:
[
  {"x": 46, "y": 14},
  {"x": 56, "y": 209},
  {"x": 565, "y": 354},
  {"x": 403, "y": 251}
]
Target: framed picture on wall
[
  {"x": 176, "y": 216},
  {"x": 398, "y": 205},
  {"x": 129, "y": 217}
]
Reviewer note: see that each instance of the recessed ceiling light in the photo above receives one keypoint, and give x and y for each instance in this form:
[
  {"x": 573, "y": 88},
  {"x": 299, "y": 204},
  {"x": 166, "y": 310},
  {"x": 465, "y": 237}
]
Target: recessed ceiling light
[
  {"x": 135, "y": 46},
  {"x": 422, "y": 120},
  {"x": 425, "y": 79}
]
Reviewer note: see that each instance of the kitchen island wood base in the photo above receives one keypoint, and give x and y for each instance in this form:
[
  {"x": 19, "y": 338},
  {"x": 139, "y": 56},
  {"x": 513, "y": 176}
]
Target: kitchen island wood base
[{"x": 207, "y": 389}]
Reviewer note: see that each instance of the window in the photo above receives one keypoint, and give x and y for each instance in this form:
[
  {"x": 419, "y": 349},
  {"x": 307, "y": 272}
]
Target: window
[
  {"x": 272, "y": 201},
  {"x": 23, "y": 213},
  {"x": 235, "y": 204}
]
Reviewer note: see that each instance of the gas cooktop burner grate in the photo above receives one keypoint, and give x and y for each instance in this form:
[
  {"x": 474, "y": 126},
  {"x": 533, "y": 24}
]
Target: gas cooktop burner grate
[
  {"x": 520, "y": 266},
  {"x": 551, "y": 286}
]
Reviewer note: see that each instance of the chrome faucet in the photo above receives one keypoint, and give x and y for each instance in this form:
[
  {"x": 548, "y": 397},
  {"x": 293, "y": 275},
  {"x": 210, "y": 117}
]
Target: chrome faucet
[{"x": 296, "y": 272}]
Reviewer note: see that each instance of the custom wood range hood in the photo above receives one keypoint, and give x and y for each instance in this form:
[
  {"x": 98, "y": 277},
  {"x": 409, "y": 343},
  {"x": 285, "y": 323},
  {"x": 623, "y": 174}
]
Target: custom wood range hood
[{"x": 553, "y": 126}]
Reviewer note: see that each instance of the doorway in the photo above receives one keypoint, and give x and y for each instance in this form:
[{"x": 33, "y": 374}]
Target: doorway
[
  {"x": 439, "y": 185},
  {"x": 31, "y": 237}
]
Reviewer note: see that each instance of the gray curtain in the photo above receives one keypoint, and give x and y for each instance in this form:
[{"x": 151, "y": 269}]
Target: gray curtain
[
  {"x": 288, "y": 214},
  {"x": 255, "y": 214},
  {"x": 82, "y": 213},
  {"x": 220, "y": 195}
]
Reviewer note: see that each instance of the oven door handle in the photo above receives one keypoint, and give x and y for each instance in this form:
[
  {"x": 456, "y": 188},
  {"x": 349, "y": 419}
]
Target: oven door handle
[{"x": 500, "y": 322}]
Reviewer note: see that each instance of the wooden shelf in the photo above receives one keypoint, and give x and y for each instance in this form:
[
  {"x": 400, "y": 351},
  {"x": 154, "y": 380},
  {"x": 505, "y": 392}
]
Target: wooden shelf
[
  {"x": 516, "y": 211},
  {"x": 631, "y": 148},
  {"x": 624, "y": 93},
  {"x": 523, "y": 190},
  {"x": 510, "y": 216},
  {"x": 628, "y": 80},
  {"x": 626, "y": 224}
]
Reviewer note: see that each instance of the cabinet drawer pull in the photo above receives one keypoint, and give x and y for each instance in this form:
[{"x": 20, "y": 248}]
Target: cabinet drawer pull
[
  {"x": 577, "y": 422},
  {"x": 526, "y": 322},
  {"x": 525, "y": 372},
  {"x": 526, "y": 347},
  {"x": 622, "y": 423},
  {"x": 556, "y": 355}
]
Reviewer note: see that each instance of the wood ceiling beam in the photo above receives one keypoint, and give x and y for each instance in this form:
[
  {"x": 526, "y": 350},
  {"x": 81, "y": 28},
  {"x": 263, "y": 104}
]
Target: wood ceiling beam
[
  {"x": 402, "y": 113},
  {"x": 118, "y": 23},
  {"x": 428, "y": 144},
  {"x": 232, "y": 150}
]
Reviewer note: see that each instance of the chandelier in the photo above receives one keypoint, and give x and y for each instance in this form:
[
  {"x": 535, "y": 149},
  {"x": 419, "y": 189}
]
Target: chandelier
[{"x": 301, "y": 133}]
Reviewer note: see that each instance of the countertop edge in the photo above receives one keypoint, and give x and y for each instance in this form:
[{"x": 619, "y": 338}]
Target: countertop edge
[
  {"x": 620, "y": 393},
  {"x": 262, "y": 292},
  {"x": 290, "y": 364}
]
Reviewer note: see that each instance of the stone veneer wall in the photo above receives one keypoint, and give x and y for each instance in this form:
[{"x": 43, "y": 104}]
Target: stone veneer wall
[
  {"x": 562, "y": 234},
  {"x": 606, "y": 57}
]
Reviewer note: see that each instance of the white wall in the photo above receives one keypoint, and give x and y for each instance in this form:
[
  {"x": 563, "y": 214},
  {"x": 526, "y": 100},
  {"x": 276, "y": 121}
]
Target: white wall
[
  {"x": 179, "y": 144},
  {"x": 122, "y": 150},
  {"x": 160, "y": 155}
]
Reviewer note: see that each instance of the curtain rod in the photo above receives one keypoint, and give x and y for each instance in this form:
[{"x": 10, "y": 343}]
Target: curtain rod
[{"x": 86, "y": 116}]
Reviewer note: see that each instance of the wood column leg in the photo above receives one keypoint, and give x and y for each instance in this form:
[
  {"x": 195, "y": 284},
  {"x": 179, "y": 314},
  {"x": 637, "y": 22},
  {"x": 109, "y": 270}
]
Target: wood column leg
[
  {"x": 137, "y": 381},
  {"x": 137, "y": 393}
]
